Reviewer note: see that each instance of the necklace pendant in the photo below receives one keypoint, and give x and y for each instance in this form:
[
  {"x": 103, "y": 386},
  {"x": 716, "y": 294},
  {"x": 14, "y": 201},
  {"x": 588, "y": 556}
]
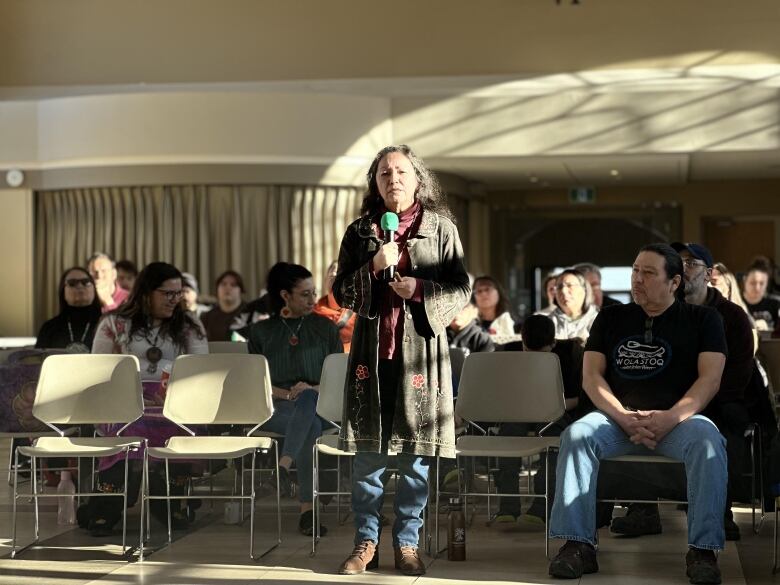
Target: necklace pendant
[{"x": 293, "y": 340}]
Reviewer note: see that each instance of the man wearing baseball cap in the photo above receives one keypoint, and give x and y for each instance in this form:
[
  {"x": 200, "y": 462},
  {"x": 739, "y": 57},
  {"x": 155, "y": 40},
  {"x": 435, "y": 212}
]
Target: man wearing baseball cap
[{"x": 727, "y": 409}]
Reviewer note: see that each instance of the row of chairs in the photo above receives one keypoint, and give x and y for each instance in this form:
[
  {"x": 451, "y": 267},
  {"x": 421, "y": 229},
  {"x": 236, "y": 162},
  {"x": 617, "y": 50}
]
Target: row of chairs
[{"x": 220, "y": 389}]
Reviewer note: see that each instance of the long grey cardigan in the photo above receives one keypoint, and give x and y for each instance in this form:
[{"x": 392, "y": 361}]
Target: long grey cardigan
[{"x": 423, "y": 419}]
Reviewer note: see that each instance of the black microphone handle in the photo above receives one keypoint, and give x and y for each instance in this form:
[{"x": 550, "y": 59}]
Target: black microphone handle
[{"x": 390, "y": 236}]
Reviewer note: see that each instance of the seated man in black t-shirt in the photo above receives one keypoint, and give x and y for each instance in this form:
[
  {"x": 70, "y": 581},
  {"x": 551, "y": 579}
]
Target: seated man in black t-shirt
[
  {"x": 727, "y": 409},
  {"x": 650, "y": 367},
  {"x": 538, "y": 333}
]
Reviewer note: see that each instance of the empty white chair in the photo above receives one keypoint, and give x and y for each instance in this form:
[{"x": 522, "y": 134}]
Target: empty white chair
[
  {"x": 83, "y": 389},
  {"x": 221, "y": 389}
]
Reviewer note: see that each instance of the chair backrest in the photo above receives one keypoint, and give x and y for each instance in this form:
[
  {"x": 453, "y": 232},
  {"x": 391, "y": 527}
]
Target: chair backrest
[
  {"x": 458, "y": 357},
  {"x": 228, "y": 347},
  {"x": 511, "y": 386},
  {"x": 220, "y": 388},
  {"x": 769, "y": 352},
  {"x": 89, "y": 389},
  {"x": 332, "y": 381}
]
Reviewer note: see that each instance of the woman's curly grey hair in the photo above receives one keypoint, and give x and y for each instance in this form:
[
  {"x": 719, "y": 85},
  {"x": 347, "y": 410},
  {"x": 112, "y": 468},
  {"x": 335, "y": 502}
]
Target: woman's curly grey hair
[{"x": 429, "y": 192}]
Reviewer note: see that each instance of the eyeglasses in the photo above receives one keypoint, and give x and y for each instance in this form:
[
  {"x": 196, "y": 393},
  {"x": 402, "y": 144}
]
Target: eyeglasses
[
  {"x": 171, "y": 295},
  {"x": 567, "y": 285},
  {"x": 649, "y": 330},
  {"x": 74, "y": 282},
  {"x": 691, "y": 263}
]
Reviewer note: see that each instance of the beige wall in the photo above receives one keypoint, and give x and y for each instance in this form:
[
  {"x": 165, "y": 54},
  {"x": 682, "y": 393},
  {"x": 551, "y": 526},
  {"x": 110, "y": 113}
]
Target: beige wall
[
  {"x": 84, "y": 42},
  {"x": 16, "y": 242}
]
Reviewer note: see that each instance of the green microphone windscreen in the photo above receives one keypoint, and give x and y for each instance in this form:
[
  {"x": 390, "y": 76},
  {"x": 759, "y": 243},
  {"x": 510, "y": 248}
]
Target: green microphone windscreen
[{"x": 389, "y": 222}]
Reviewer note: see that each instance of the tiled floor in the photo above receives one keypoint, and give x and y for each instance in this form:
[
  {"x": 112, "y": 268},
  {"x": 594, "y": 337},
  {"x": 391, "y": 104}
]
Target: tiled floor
[{"x": 215, "y": 553}]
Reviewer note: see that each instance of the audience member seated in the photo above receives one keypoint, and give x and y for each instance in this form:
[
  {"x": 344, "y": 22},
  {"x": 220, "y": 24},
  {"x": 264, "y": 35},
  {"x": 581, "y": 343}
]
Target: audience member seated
[
  {"x": 190, "y": 290},
  {"x": 220, "y": 321},
  {"x": 538, "y": 333},
  {"x": 327, "y": 307},
  {"x": 103, "y": 271},
  {"x": 763, "y": 308},
  {"x": 295, "y": 342},
  {"x": 73, "y": 329},
  {"x": 650, "y": 368},
  {"x": 493, "y": 306},
  {"x": 727, "y": 409},
  {"x": 465, "y": 332},
  {"x": 548, "y": 286},
  {"x": 592, "y": 274},
  {"x": 725, "y": 281},
  {"x": 575, "y": 312},
  {"x": 155, "y": 327},
  {"x": 126, "y": 273}
]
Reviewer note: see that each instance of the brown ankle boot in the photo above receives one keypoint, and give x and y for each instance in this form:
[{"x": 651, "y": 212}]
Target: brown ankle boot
[
  {"x": 408, "y": 561},
  {"x": 364, "y": 556}
]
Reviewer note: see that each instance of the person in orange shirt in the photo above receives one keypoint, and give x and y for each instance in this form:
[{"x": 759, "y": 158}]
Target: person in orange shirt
[{"x": 328, "y": 307}]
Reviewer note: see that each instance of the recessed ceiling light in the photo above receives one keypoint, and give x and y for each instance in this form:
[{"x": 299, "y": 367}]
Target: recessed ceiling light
[{"x": 614, "y": 172}]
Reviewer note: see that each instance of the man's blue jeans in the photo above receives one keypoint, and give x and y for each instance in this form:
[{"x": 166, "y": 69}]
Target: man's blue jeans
[
  {"x": 696, "y": 442},
  {"x": 368, "y": 493},
  {"x": 299, "y": 423}
]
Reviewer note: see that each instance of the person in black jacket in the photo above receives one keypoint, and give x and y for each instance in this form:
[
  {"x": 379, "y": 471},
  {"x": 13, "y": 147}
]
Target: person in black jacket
[
  {"x": 465, "y": 331},
  {"x": 73, "y": 329}
]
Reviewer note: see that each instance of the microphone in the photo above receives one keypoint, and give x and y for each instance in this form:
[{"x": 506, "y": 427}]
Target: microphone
[{"x": 389, "y": 225}]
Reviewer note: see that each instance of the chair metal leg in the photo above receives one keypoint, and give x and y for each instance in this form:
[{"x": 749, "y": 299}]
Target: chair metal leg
[
  {"x": 315, "y": 533},
  {"x": 252, "y": 509},
  {"x": 243, "y": 488},
  {"x": 142, "y": 496},
  {"x": 124, "y": 502},
  {"x": 16, "y": 497},
  {"x": 546, "y": 504},
  {"x": 34, "y": 475},
  {"x": 168, "y": 501}
]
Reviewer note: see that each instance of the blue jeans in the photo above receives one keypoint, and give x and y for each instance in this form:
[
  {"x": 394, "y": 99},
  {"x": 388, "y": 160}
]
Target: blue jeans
[
  {"x": 696, "y": 442},
  {"x": 368, "y": 493},
  {"x": 299, "y": 423}
]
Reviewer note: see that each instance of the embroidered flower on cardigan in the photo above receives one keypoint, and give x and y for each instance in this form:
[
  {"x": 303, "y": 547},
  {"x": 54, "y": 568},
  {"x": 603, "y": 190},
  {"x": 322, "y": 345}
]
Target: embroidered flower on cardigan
[
  {"x": 361, "y": 372},
  {"x": 418, "y": 381}
]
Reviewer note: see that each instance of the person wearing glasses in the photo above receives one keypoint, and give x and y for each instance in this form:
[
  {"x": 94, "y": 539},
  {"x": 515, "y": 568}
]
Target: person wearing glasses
[
  {"x": 727, "y": 409},
  {"x": 650, "y": 368},
  {"x": 155, "y": 326},
  {"x": 74, "y": 327},
  {"x": 575, "y": 310}
]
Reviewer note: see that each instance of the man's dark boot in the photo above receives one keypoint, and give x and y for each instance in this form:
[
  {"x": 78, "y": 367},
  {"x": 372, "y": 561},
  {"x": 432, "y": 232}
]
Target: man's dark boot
[
  {"x": 702, "y": 566},
  {"x": 640, "y": 519},
  {"x": 573, "y": 560}
]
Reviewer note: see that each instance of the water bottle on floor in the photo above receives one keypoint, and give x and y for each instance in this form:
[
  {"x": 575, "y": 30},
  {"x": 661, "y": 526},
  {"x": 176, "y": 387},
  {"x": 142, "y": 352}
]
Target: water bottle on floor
[{"x": 66, "y": 501}]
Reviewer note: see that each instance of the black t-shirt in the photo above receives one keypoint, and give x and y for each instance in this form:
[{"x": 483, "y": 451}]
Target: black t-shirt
[
  {"x": 654, "y": 370},
  {"x": 766, "y": 309}
]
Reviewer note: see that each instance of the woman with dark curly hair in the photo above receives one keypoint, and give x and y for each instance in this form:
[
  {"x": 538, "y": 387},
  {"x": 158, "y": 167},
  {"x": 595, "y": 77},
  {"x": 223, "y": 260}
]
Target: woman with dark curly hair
[
  {"x": 398, "y": 393},
  {"x": 295, "y": 342},
  {"x": 153, "y": 325},
  {"x": 73, "y": 329}
]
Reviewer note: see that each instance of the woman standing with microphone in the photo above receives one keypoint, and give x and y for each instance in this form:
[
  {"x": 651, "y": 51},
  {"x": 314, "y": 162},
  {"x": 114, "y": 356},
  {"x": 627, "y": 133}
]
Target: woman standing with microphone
[{"x": 398, "y": 393}]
